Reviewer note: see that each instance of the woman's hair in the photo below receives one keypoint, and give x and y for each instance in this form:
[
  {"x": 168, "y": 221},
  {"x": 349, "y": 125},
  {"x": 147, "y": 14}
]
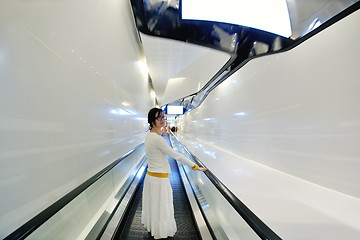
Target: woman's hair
[{"x": 152, "y": 116}]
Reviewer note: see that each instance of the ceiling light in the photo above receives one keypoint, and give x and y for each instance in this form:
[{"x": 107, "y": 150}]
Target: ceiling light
[{"x": 251, "y": 13}]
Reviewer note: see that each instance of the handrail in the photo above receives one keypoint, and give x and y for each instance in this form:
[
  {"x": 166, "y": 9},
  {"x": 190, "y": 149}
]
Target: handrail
[
  {"x": 30, "y": 226},
  {"x": 259, "y": 227}
]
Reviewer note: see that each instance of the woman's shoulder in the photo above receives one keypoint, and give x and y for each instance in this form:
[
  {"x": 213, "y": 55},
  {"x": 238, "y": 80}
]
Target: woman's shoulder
[{"x": 152, "y": 135}]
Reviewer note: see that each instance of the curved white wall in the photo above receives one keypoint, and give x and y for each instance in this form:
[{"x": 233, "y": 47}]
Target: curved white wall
[
  {"x": 283, "y": 133},
  {"x": 72, "y": 97}
]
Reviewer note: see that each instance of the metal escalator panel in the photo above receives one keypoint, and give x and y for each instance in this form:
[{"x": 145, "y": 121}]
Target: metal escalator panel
[{"x": 224, "y": 220}]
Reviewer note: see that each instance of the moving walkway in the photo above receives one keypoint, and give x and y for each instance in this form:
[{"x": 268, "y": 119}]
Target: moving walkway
[{"x": 108, "y": 206}]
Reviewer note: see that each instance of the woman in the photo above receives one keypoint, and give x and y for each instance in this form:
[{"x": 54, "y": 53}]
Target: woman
[{"x": 157, "y": 203}]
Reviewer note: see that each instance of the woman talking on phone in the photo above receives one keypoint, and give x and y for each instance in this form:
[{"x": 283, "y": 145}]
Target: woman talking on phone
[{"x": 157, "y": 203}]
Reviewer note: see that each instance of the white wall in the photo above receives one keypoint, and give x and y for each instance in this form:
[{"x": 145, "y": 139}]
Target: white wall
[
  {"x": 72, "y": 98},
  {"x": 283, "y": 133}
]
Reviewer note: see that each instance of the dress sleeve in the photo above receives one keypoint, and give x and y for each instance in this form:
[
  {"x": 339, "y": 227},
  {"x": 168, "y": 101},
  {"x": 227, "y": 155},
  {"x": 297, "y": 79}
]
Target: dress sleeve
[{"x": 165, "y": 148}]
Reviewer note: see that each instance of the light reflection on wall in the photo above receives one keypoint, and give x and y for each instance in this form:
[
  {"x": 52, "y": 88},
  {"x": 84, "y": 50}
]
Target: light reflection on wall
[
  {"x": 142, "y": 65},
  {"x": 122, "y": 112},
  {"x": 240, "y": 114}
]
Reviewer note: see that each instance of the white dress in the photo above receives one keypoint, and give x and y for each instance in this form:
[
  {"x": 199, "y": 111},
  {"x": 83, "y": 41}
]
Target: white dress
[{"x": 157, "y": 202}]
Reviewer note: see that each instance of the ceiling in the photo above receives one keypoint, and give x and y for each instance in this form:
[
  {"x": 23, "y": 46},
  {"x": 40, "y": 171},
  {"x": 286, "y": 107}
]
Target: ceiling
[
  {"x": 171, "y": 62},
  {"x": 191, "y": 57}
]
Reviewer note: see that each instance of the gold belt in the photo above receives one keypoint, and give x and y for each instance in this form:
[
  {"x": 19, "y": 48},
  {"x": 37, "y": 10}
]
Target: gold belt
[{"x": 159, "y": 175}]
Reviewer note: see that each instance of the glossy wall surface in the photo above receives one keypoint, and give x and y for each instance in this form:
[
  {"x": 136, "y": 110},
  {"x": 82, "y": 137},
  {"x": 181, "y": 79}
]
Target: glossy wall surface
[
  {"x": 283, "y": 133},
  {"x": 72, "y": 96}
]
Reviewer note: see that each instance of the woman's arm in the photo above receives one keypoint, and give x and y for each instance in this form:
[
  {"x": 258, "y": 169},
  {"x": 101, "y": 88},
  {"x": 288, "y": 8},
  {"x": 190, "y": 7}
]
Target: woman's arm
[{"x": 164, "y": 147}]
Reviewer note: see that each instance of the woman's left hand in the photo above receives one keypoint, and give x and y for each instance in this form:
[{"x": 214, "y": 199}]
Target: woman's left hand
[{"x": 203, "y": 169}]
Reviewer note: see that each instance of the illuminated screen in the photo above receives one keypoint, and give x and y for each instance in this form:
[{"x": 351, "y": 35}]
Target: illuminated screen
[
  {"x": 269, "y": 15},
  {"x": 174, "y": 110}
]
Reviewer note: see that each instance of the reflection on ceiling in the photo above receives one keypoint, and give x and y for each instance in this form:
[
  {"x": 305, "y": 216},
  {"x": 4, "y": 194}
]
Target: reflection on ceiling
[{"x": 306, "y": 15}]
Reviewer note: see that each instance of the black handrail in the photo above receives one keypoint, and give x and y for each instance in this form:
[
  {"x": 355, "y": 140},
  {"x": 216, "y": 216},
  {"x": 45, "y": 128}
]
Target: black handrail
[
  {"x": 259, "y": 227},
  {"x": 34, "y": 223}
]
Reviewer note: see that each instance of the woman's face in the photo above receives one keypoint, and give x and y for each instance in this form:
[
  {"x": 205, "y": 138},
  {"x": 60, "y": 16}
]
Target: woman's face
[{"x": 159, "y": 120}]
